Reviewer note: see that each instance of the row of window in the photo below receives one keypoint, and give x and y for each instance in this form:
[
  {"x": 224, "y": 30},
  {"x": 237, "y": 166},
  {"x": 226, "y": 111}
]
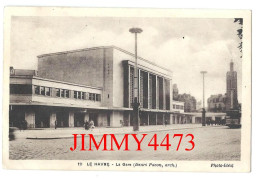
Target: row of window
[
  {"x": 87, "y": 96},
  {"x": 216, "y": 100},
  {"x": 177, "y": 106},
  {"x": 41, "y": 90},
  {"x": 65, "y": 93}
]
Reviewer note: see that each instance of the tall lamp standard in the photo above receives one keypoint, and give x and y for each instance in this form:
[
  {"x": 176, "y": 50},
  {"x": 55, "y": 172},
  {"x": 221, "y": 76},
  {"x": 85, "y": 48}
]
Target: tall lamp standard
[
  {"x": 136, "y": 103},
  {"x": 203, "y": 109}
]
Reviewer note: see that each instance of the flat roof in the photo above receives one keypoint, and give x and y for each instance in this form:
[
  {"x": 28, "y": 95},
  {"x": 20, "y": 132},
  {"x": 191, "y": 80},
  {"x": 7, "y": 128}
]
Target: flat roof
[{"x": 103, "y": 47}]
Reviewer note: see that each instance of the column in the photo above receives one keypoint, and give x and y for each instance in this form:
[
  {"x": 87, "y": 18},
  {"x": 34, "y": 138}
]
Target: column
[
  {"x": 163, "y": 118},
  {"x": 171, "y": 119},
  {"x": 193, "y": 121},
  {"x": 52, "y": 119},
  {"x": 157, "y": 92},
  {"x": 115, "y": 118},
  {"x": 155, "y": 118},
  {"x": 148, "y": 93},
  {"x": 164, "y": 95},
  {"x": 129, "y": 87},
  {"x": 139, "y": 77},
  {"x": 30, "y": 119},
  {"x": 71, "y": 119},
  {"x": 213, "y": 118},
  {"x": 86, "y": 117}
]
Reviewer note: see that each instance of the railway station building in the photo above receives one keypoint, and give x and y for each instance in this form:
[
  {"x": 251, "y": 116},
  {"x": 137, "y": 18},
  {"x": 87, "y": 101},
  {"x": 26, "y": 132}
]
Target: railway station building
[{"x": 72, "y": 87}]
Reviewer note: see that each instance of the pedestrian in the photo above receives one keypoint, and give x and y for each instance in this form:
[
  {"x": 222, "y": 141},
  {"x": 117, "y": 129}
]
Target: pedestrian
[
  {"x": 86, "y": 125},
  {"x": 91, "y": 124}
]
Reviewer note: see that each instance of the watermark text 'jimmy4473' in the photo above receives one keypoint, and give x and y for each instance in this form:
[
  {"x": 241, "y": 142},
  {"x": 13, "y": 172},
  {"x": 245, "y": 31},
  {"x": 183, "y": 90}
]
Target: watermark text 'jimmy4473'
[{"x": 111, "y": 143}]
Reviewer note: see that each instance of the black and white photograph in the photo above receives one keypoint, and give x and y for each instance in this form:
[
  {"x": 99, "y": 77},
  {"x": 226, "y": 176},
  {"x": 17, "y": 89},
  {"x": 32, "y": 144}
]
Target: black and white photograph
[{"x": 137, "y": 89}]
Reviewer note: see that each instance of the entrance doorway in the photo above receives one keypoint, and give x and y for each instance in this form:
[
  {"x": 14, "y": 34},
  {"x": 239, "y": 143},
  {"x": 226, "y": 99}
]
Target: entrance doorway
[
  {"x": 62, "y": 119},
  {"x": 144, "y": 119},
  {"x": 152, "y": 119},
  {"x": 16, "y": 117},
  {"x": 79, "y": 119},
  {"x": 42, "y": 118},
  {"x": 93, "y": 117}
]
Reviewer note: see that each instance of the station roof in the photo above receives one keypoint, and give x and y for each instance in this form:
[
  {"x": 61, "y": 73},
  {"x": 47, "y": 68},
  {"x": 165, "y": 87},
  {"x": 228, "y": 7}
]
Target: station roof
[{"x": 104, "y": 47}]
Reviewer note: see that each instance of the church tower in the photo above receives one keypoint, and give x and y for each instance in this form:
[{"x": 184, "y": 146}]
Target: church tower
[{"x": 232, "y": 102}]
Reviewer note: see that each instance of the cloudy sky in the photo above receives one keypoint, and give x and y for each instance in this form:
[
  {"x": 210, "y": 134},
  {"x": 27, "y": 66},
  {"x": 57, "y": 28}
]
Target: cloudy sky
[{"x": 186, "y": 46}]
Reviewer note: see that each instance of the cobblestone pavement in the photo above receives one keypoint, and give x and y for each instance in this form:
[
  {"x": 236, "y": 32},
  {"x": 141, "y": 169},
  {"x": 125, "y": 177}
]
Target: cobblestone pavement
[{"x": 211, "y": 143}]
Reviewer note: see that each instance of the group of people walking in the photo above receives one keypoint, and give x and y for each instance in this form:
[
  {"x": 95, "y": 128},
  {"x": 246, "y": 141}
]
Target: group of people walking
[{"x": 89, "y": 125}]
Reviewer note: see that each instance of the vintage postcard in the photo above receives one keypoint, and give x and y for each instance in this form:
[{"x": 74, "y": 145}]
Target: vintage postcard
[{"x": 127, "y": 89}]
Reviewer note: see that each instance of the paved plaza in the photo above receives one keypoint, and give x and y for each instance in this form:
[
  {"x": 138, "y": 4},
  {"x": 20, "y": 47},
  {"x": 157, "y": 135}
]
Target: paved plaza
[
  {"x": 211, "y": 143},
  {"x": 61, "y": 133}
]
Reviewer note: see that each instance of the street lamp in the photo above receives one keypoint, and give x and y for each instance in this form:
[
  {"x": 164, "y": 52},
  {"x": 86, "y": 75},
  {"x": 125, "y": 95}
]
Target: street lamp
[
  {"x": 136, "y": 103},
  {"x": 203, "y": 109}
]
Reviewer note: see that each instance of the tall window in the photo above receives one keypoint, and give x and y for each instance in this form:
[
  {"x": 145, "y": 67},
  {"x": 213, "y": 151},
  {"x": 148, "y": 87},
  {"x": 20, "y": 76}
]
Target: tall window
[
  {"x": 75, "y": 94},
  {"x": 67, "y": 93},
  {"x": 79, "y": 94},
  {"x": 42, "y": 90},
  {"x": 62, "y": 93},
  {"x": 141, "y": 100},
  {"x": 57, "y": 92},
  {"x": 37, "y": 89},
  {"x": 98, "y": 97},
  {"x": 92, "y": 96},
  {"x": 150, "y": 91},
  {"x": 131, "y": 85},
  {"x": 47, "y": 91}
]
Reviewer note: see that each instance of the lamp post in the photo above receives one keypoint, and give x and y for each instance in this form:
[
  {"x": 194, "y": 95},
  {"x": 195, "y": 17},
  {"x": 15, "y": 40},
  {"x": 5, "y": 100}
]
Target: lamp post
[
  {"x": 136, "y": 103},
  {"x": 203, "y": 109}
]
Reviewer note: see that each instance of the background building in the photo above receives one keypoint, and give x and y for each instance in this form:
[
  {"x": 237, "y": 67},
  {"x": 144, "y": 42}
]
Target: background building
[
  {"x": 223, "y": 103},
  {"x": 189, "y": 102},
  {"x": 178, "y": 106},
  {"x": 175, "y": 92},
  {"x": 232, "y": 102},
  {"x": 217, "y": 103}
]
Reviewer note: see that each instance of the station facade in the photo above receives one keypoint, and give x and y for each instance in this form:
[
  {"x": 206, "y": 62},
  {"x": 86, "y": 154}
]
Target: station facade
[{"x": 72, "y": 87}]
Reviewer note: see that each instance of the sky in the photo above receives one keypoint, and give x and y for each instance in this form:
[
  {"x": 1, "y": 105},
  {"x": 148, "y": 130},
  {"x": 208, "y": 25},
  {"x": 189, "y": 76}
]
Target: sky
[{"x": 184, "y": 45}]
